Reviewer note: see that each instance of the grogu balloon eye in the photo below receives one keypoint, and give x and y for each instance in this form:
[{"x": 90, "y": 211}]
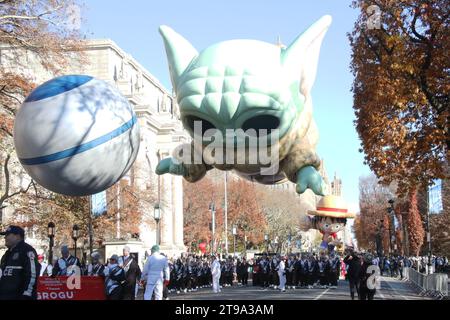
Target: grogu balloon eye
[
  {"x": 326, "y": 225},
  {"x": 190, "y": 122},
  {"x": 336, "y": 226},
  {"x": 261, "y": 123}
]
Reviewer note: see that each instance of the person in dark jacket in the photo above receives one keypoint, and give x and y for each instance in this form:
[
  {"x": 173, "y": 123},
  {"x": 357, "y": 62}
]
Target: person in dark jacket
[
  {"x": 19, "y": 267},
  {"x": 179, "y": 272},
  {"x": 244, "y": 271},
  {"x": 264, "y": 269},
  {"x": 353, "y": 272},
  {"x": 367, "y": 285},
  {"x": 132, "y": 274}
]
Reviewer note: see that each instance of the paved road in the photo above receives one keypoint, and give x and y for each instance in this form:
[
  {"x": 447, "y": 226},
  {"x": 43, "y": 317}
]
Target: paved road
[{"x": 391, "y": 289}]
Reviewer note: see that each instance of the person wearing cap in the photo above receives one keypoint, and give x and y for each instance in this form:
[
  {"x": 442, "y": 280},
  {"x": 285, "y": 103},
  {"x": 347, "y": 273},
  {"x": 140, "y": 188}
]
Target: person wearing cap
[
  {"x": 95, "y": 268},
  {"x": 132, "y": 274},
  {"x": 156, "y": 273},
  {"x": 215, "y": 273},
  {"x": 67, "y": 260},
  {"x": 19, "y": 267},
  {"x": 114, "y": 279}
]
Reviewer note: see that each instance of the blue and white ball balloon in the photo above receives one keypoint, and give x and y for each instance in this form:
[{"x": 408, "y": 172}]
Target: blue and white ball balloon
[{"x": 76, "y": 135}]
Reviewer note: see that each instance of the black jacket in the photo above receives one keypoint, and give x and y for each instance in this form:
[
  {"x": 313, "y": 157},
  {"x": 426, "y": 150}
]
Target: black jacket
[
  {"x": 20, "y": 271},
  {"x": 132, "y": 272},
  {"x": 354, "y": 267}
]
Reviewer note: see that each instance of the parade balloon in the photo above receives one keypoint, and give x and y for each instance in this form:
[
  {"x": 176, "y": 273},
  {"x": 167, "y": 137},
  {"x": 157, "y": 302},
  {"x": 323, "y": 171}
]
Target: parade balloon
[
  {"x": 330, "y": 217},
  {"x": 76, "y": 135},
  {"x": 247, "y": 90}
]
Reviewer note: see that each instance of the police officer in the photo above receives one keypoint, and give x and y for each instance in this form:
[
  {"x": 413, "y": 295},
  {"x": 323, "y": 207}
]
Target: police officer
[{"x": 19, "y": 267}]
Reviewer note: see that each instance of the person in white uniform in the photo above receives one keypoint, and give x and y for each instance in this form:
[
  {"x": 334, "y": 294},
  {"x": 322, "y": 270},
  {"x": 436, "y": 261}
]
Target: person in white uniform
[
  {"x": 156, "y": 272},
  {"x": 282, "y": 275},
  {"x": 215, "y": 271}
]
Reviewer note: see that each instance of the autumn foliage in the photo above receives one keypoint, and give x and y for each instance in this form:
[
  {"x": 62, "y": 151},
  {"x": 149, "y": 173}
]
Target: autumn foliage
[
  {"x": 39, "y": 30},
  {"x": 415, "y": 225},
  {"x": 401, "y": 89},
  {"x": 373, "y": 219},
  {"x": 243, "y": 211}
]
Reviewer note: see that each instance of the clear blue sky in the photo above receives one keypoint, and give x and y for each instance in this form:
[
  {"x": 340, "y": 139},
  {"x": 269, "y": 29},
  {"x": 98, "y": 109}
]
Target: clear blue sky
[{"x": 133, "y": 25}]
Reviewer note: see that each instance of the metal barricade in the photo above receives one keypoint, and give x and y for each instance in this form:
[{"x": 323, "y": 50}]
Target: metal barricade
[{"x": 433, "y": 285}]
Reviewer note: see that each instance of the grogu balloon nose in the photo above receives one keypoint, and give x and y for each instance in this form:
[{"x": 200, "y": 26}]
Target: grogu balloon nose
[{"x": 258, "y": 94}]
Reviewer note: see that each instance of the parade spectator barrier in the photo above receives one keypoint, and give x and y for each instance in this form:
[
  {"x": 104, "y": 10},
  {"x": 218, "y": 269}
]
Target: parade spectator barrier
[
  {"x": 433, "y": 285},
  {"x": 64, "y": 288}
]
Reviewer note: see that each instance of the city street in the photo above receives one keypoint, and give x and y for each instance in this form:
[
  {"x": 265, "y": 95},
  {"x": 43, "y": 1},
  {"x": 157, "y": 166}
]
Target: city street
[{"x": 391, "y": 289}]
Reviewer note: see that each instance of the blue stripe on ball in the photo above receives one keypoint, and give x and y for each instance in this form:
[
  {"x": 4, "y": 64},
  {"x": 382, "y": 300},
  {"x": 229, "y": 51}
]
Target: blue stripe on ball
[
  {"x": 57, "y": 86},
  {"x": 82, "y": 147}
]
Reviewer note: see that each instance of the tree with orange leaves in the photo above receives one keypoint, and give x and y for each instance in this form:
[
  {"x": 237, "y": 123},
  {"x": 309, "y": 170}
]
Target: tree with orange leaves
[
  {"x": 416, "y": 230},
  {"x": 243, "y": 212},
  {"x": 373, "y": 220},
  {"x": 41, "y": 29},
  {"x": 401, "y": 88}
]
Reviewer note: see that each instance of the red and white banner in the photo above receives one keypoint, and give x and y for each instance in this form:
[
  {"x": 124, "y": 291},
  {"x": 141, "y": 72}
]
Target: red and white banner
[{"x": 62, "y": 288}]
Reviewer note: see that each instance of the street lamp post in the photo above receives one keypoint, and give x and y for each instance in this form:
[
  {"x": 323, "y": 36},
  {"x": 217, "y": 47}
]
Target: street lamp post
[
  {"x": 157, "y": 217},
  {"x": 212, "y": 208},
  {"x": 226, "y": 213},
  {"x": 266, "y": 239},
  {"x": 429, "y": 234},
  {"x": 51, "y": 236},
  {"x": 391, "y": 223},
  {"x": 234, "y": 231},
  {"x": 245, "y": 245},
  {"x": 275, "y": 242},
  {"x": 379, "y": 237},
  {"x": 289, "y": 250},
  {"x": 75, "y": 236}
]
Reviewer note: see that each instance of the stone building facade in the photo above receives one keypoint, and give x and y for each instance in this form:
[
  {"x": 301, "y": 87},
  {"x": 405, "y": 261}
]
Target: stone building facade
[{"x": 160, "y": 130}]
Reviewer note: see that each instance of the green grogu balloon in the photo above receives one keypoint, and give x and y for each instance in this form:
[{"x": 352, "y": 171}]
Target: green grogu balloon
[{"x": 248, "y": 85}]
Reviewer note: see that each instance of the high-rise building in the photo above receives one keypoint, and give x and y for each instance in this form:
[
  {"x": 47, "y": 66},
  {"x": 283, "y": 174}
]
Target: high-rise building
[{"x": 336, "y": 186}]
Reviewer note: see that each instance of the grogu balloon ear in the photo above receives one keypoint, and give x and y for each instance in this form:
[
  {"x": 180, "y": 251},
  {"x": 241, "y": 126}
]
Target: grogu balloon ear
[
  {"x": 300, "y": 59},
  {"x": 180, "y": 53}
]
